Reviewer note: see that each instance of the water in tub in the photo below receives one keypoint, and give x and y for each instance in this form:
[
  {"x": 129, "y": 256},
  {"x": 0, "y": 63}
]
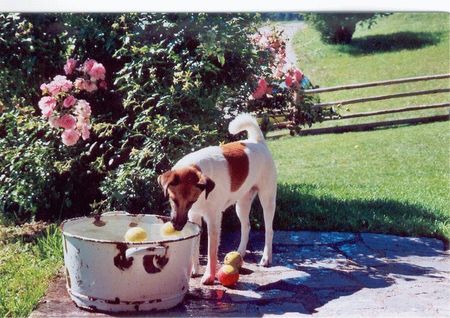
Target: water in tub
[{"x": 114, "y": 229}]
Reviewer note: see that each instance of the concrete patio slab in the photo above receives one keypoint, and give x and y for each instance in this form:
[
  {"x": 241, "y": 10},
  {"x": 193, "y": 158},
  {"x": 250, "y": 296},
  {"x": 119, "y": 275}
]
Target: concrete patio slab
[{"x": 320, "y": 274}]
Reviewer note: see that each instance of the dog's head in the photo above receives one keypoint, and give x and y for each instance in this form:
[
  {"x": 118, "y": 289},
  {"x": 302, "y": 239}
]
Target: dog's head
[{"x": 184, "y": 186}]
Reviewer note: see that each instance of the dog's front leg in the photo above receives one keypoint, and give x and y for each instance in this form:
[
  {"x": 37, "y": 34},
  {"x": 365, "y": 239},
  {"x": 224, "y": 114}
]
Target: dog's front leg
[
  {"x": 197, "y": 219},
  {"x": 213, "y": 245}
]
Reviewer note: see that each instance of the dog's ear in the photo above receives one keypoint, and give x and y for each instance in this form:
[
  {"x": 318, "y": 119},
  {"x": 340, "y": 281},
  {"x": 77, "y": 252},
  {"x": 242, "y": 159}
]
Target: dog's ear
[
  {"x": 206, "y": 184},
  {"x": 167, "y": 179}
]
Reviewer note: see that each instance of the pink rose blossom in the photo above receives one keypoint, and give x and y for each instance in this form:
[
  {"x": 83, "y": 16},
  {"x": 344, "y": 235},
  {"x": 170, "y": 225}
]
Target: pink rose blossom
[
  {"x": 53, "y": 88},
  {"x": 64, "y": 83},
  {"x": 83, "y": 109},
  {"x": 67, "y": 122},
  {"x": 59, "y": 84},
  {"x": 97, "y": 71},
  {"x": 88, "y": 64},
  {"x": 47, "y": 112},
  {"x": 43, "y": 87},
  {"x": 53, "y": 121},
  {"x": 79, "y": 84},
  {"x": 298, "y": 75},
  {"x": 47, "y": 101},
  {"x": 261, "y": 89},
  {"x": 259, "y": 93},
  {"x": 84, "y": 128},
  {"x": 47, "y": 104},
  {"x": 288, "y": 80},
  {"x": 262, "y": 83},
  {"x": 70, "y": 137},
  {"x": 69, "y": 101},
  {"x": 103, "y": 85},
  {"x": 70, "y": 66},
  {"x": 90, "y": 86}
]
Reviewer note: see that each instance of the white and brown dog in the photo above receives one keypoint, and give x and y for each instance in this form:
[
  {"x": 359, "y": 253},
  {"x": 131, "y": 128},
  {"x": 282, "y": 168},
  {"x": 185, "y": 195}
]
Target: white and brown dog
[{"x": 226, "y": 174}]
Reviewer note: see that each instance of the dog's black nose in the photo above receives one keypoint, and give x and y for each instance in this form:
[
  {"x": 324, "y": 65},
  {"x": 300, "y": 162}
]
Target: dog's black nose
[{"x": 178, "y": 226}]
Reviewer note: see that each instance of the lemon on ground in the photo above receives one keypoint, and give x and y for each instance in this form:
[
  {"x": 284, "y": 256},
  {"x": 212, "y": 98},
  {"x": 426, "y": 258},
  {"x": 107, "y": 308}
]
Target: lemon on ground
[
  {"x": 234, "y": 259},
  {"x": 135, "y": 234}
]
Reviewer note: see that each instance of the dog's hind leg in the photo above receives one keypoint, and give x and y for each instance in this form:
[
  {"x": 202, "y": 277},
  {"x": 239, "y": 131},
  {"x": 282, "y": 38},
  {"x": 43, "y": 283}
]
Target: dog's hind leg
[
  {"x": 243, "y": 207},
  {"x": 267, "y": 197}
]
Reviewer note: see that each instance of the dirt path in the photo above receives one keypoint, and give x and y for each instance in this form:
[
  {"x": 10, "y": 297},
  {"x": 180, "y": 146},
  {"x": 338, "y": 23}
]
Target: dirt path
[{"x": 289, "y": 28}]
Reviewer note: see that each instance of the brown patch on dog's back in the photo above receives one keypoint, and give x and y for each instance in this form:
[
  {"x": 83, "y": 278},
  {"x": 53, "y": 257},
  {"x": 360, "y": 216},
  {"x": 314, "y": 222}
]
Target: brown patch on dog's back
[{"x": 238, "y": 163}]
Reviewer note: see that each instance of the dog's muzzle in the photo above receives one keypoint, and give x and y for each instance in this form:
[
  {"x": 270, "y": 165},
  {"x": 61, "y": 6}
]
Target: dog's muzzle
[{"x": 178, "y": 224}]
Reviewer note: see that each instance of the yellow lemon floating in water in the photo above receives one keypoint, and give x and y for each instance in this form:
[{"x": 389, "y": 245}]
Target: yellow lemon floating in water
[
  {"x": 168, "y": 229},
  {"x": 135, "y": 234}
]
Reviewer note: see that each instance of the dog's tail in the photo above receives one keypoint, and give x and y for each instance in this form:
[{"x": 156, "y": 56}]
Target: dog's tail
[{"x": 246, "y": 122}]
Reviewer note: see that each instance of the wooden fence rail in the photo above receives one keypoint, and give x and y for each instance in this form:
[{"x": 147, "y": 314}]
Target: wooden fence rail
[
  {"x": 366, "y": 126},
  {"x": 379, "y": 83},
  {"x": 395, "y": 110},
  {"x": 382, "y": 97}
]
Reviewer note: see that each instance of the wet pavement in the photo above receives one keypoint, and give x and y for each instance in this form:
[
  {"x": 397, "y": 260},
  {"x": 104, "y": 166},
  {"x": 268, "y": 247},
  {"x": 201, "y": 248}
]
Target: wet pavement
[{"x": 329, "y": 274}]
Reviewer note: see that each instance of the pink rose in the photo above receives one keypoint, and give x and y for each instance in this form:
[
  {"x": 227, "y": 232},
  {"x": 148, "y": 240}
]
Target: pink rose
[
  {"x": 70, "y": 66},
  {"x": 87, "y": 66},
  {"x": 84, "y": 128},
  {"x": 97, "y": 71},
  {"x": 90, "y": 86},
  {"x": 47, "y": 112},
  {"x": 59, "y": 84},
  {"x": 83, "y": 109},
  {"x": 298, "y": 75},
  {"x": 47, "y": 101},
  {"x": 43, "y": 87},
  {"x": 79, "y": 84},
  {"x": 64, "y": 83},
  {"x": 288, "y": 80},
  {"x": 70, "y": 137},
  {"x": 53, "y": 121},
  {"x": 67, "y": 122},
  {"x": 103, "y": 85},
  {"x": 259, "y": 93},
  {"x": 47, "y": 104},
  {"x": 261, "y": 89},
  {"x": 69, "y": 101},
  {"x": 262, "y": 83},
  {"x": 53, "y": 88}
]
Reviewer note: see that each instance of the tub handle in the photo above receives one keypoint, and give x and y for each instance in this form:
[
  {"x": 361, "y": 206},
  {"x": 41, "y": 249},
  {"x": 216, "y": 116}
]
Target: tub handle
[{"x": 147, "y": 250}]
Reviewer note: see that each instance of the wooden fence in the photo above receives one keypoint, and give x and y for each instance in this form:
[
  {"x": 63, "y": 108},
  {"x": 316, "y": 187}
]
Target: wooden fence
[{"x": 373, "y": 125}]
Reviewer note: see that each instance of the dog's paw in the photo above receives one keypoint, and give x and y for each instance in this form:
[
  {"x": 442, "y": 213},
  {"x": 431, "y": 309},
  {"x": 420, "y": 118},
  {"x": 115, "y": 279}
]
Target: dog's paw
[
  {"x": 265, "y": 262},
  {"x": 208, "y": 279},
  {"x": 195, "y": 271},
  {"x": 242, "y": 252}
]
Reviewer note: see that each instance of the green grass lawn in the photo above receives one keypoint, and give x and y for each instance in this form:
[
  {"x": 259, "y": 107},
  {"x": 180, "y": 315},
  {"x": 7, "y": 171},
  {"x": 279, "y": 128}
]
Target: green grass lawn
[
  {"x": 400, "y": 45},
  {"x": 388, "y": 181},
  {"x": 26, "y": 269}
]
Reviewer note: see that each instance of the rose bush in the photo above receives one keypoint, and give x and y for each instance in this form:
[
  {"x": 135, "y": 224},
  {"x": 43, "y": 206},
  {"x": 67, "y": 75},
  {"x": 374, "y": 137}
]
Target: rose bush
[
  {"x": 62, "y": 108},
  {"x": 153, "y": 87}
]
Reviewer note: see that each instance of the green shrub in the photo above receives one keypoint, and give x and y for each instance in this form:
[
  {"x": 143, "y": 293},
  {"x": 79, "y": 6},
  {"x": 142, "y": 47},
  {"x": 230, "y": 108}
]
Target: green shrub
[
  {"x": 172, "y": 77},
  {"x": 338, "y": 28}
]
